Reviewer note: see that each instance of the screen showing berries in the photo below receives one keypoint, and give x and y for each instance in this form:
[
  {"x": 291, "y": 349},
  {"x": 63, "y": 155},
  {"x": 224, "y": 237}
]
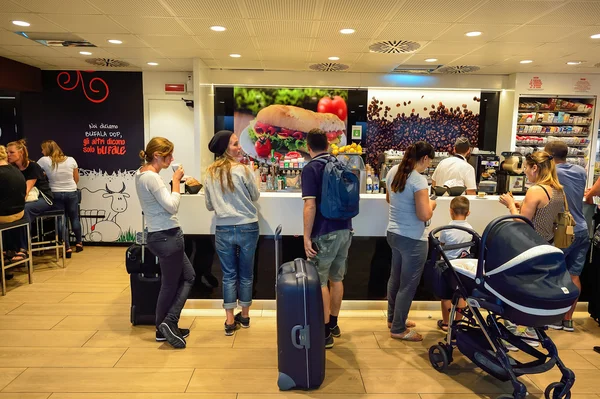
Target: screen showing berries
[{"x": 336, "y": 106}]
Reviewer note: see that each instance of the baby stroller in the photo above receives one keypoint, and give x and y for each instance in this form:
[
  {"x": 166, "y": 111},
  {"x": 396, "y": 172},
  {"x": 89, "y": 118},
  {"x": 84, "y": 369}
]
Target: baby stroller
[{"x": 516, "y": 276}]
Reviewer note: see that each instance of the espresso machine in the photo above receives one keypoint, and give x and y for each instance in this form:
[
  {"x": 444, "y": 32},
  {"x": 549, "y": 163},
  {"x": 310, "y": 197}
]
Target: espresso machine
[
  {"x": 511, "y": 176},
  {"x": 487, "y": 166},
  {"x": 388, "y": 160}
]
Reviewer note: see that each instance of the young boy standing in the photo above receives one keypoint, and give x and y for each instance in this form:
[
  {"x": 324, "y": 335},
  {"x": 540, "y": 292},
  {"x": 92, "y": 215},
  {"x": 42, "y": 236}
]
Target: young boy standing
[{"x": 459, "y": 210}]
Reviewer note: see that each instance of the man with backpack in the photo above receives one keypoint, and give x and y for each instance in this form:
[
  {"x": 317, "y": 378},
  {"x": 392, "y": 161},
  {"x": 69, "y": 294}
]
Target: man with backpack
[{"x": 331, "y": 195}]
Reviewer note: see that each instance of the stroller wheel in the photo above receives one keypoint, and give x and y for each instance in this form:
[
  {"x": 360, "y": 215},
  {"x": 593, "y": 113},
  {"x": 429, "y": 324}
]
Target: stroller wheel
[
  {"x": 554, "y": 390},
  {"x": 438, "y": 356}
]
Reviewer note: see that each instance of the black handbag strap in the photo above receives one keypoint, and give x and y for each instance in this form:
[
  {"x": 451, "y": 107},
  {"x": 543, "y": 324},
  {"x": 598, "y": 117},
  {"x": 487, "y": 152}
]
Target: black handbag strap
[{"x": 546, "y": 191}]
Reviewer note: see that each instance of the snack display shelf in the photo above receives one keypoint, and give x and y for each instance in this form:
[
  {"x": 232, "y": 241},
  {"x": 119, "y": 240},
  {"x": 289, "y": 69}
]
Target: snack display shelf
[
  {"x": 554, "y": 124},
  {"x": 556, "y": 110},
  {"x": 555, "y": 135}
]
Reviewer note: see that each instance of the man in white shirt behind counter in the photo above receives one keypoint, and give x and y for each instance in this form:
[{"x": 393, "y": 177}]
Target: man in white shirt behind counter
[{"x": 457, "y": 168}]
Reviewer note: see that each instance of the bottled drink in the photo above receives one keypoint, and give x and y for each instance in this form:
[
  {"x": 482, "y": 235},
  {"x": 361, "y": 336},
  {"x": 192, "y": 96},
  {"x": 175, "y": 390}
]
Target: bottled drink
[
  {"x": 376, "y": 185},
  {"x": 270, "y": 182},
  {"x": 369, "y": 184}
]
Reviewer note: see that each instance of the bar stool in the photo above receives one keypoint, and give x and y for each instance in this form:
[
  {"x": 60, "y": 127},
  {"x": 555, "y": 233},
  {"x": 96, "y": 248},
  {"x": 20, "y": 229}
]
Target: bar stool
[
  {"x": 41, "y": 245},
  {"x": 8, "y": 226}
]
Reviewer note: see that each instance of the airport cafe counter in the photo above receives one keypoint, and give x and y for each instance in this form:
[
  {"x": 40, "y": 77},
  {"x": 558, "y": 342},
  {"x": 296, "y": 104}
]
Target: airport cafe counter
[{"x": 369, "y": 258}]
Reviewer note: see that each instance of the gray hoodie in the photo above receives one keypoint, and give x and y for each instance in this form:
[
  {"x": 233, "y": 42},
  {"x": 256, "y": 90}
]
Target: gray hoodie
[{"x": 237, "y": 207}]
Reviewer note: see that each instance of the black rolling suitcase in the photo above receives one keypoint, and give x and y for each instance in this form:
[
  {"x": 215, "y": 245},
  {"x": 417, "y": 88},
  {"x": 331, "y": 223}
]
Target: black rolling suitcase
[
  {"x": 144, "y": 276},
  {"x": 300, "y": 325}
]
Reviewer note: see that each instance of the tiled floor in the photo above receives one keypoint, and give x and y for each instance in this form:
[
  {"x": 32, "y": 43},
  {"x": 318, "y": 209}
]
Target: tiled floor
[{"x": 68, "y": 336}]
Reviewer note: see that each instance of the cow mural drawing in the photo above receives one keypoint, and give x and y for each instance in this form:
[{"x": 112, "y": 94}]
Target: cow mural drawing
[{"x": 106, "y": 212}]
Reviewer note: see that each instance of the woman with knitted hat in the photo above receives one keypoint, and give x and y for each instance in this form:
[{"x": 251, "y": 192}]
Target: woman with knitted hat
[{"x": 231, "y": 191}]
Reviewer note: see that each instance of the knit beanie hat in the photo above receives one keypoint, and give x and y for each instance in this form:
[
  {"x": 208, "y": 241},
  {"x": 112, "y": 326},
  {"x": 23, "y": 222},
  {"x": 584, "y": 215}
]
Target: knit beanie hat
[{"x": 220, "y": 141}]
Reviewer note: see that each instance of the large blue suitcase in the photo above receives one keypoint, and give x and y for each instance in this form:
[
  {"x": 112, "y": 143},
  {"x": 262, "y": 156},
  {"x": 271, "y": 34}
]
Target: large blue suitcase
[{"x": 300, "y": 325}]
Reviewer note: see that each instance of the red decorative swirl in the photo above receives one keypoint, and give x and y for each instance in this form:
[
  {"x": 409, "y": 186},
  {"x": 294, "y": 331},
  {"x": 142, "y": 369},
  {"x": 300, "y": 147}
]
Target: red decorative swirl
[{"x": 67, "y": 80}]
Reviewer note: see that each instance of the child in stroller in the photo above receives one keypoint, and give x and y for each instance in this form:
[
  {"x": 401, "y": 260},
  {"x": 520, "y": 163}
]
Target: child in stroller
[{"x": 518, "y": 277}]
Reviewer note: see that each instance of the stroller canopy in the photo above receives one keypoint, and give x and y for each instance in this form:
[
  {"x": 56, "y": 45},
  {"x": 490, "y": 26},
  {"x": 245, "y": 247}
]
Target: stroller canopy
[{"x": 526, "y": 273}]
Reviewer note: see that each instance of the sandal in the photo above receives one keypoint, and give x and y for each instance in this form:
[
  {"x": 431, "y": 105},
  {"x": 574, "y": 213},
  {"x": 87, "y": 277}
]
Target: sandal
[
  {"x": 442, "y": 326},
  {"x": 68, "y": 253},
  {"x": 408, "y": 324},
  {"x": 78, "y": 247},
  {"x": 409, "y": 335}
]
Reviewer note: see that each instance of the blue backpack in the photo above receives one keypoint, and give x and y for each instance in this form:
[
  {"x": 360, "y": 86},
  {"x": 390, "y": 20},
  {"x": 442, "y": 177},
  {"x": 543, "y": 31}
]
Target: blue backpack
[{"x": 340, "y": 194}]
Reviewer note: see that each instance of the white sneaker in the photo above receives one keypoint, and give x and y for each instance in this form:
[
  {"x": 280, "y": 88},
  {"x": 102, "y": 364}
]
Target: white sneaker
[
  {"x": 555, "y": 326},
  {"x": 529, "y": 333},
  {"x": 510, "y": 346}
]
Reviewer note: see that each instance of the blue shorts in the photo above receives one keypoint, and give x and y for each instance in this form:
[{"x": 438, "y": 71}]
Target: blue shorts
[{"x": 575, "y": 254}]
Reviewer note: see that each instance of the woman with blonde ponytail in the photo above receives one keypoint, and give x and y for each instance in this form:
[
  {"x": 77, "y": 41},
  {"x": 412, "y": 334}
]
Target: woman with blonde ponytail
[
  {"x": 63, "y": 176},
  {"x": 231, "y": 191},
  {"x": 165, "y": 238},
  {"x": 410, "y": 209},
  {"x": 544, "y": 200}
]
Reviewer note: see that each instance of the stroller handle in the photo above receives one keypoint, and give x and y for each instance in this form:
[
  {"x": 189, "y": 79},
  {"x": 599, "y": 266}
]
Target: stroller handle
[
  {"x": 486, "y": 232},
  {"x": 433, "y": 232}
]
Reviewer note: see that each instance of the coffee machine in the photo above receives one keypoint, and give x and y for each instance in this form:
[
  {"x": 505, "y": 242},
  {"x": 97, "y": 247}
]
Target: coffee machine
[
  {"x": 486, "y": 165},
  {"x": 387, "y": 161},
  {"x": 511, "y": 177}
]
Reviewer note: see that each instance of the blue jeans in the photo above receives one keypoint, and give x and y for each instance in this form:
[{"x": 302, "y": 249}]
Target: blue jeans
[
  {"x": 177, "y": 273},
  {"x": 576, "y": 253},
  {"x": 69, "y": 201},
  {"x": 236, "y": 246},
  {"x": 408, "y": 262},
  {"x": 32, "y": 210}
]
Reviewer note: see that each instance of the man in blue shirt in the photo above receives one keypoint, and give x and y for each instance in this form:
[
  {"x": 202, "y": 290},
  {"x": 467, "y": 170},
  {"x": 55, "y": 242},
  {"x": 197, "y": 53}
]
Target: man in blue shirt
[
  {"x": 573, "y": 179},
  {"x": 326, "y": 241}
]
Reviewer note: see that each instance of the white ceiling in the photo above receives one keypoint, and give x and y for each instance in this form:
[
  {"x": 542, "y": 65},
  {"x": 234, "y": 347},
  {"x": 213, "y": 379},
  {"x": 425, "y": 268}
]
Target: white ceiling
[{"x": 292, "y": 34}]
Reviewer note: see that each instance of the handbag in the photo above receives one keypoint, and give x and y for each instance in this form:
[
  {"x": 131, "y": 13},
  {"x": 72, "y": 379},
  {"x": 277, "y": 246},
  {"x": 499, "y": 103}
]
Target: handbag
[
  {"x": 564, "y": 234},
  {"x": 34, "y": 195}
]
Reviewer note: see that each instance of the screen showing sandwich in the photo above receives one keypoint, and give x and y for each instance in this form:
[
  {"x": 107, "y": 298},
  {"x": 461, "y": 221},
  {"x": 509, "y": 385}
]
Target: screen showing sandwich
[{"x": 279, "y": 120}]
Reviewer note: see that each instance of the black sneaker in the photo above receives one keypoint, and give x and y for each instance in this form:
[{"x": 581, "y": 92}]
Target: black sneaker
[
  {"x": 231, "y": 328},
  {"x": 336, "y": 332},
  {"x": 244, "y": 321},
  {"x": 170, "y": 331},
  {"x": 161, "y": 338},
  {"x": 329, "y": 342}
]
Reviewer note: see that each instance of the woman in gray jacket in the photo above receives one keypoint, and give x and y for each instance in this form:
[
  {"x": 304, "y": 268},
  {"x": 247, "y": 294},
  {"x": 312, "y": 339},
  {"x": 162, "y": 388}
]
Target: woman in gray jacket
[{"x": 231, "y": 191}]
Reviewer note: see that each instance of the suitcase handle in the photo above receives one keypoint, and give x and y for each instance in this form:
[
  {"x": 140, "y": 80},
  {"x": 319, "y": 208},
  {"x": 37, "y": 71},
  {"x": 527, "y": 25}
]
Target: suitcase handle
[{"x": 301, "y": 337}]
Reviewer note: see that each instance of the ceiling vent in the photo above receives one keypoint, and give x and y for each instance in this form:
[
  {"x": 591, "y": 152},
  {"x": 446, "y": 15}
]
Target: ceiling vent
[
  {"x": 107, "y": 62},
  {"x": 458, "y": 69},
  {"x": 56, "y": 39},
  {"x": 394, "y": 47},
  {"x": 329, "y": 67},
  {"x": 416, "y": 69}
]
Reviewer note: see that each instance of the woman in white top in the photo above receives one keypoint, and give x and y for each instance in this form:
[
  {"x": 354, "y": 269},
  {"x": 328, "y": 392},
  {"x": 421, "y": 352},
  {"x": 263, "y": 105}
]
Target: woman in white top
[
  {"x": 165, "y": 238},
  {"x": 410, "y": 209},
  {"x": 63, "y": 175}
]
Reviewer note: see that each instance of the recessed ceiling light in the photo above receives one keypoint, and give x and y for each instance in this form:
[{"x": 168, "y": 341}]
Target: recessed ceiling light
[
  {"x": 218, "y": 28},
  {"x": 234, "y": 55},
  {"x": 347, "y": 31},
  {"x": 573, "y": 62},
  {"x": 596, "y": 36},
  {"x": 21, "y": 23},
  {"x": 153, "y": 63},
  {"x": 334, "y": 58},
  {"x": 115, "y": 41},
  {"x": 473, "y": 34},
  {"x": 526, "y": 61},
  {"x": 85, "y": 53},
  {"x": 431, "y": 60}
]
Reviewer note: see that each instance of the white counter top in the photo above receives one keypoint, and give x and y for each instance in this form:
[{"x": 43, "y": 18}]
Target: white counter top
[{"x": 286, "y": 209}]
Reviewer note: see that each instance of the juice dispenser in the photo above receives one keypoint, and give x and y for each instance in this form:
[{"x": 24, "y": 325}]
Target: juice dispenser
[{"x": 357, "y": 165}]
